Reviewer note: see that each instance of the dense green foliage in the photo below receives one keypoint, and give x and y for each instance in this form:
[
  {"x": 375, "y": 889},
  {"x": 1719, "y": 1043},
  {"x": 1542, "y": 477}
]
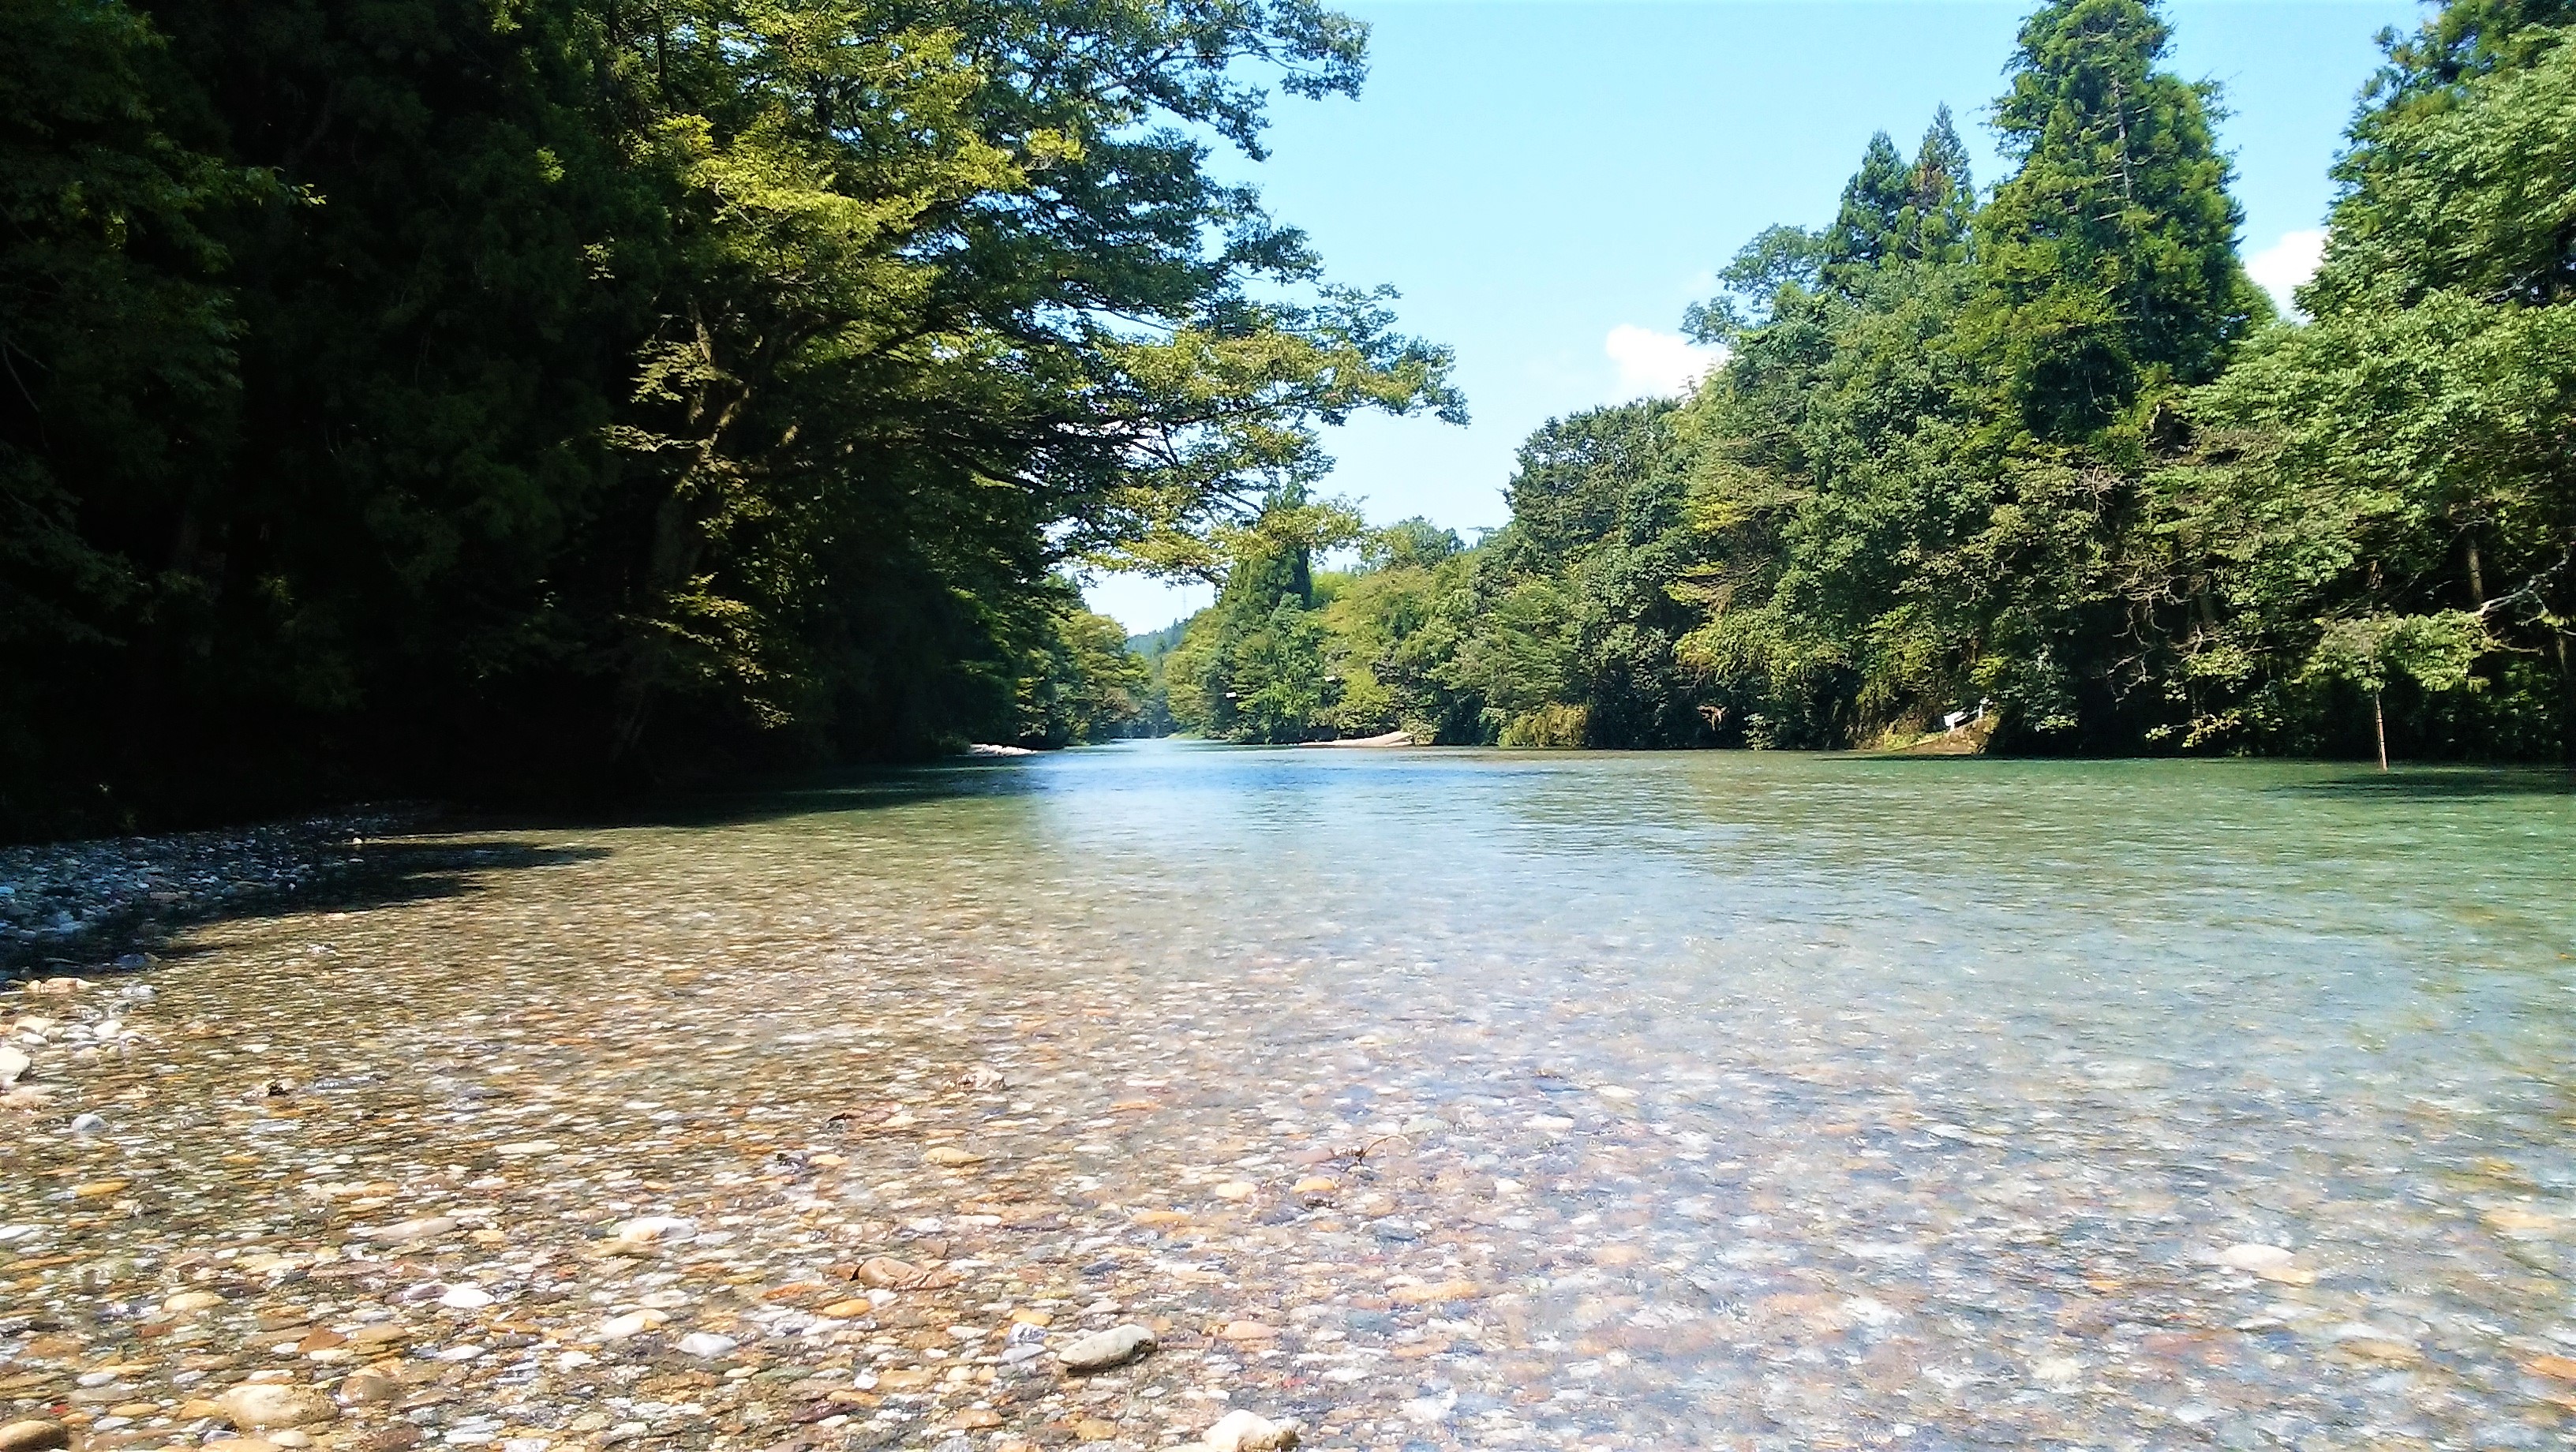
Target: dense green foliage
[
  {"x": 2043, "y": 459},
  {"x": 562, "y": 396},
  {"x": 1088, "y": 687},
  {"x": 559, "y": 393}
]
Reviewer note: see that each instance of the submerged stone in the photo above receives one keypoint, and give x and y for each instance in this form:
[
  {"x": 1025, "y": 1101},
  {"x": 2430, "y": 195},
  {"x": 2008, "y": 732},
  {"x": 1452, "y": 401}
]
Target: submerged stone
[
  {"x": 1243, "y": 1431},
  {"x": 1105, "y": 1349}
]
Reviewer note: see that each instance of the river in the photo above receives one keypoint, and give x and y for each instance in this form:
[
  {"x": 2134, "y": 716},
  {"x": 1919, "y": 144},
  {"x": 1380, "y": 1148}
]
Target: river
[{"x": 1435, "y": 1099}]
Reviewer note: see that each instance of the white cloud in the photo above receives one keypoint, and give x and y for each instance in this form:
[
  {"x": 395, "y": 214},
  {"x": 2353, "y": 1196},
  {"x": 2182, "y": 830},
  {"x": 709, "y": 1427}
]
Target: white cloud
[
  {"x": 1658, "y": 363},
  {"x": 2283, "y": 267}
]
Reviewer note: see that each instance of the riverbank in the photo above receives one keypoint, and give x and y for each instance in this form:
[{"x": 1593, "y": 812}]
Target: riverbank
[
  {"x": 1391, "y": 738},
  {"x": 73, "y": 904}
]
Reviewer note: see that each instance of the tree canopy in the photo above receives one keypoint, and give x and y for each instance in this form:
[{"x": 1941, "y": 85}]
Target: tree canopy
[
  {"x": 562, "y": 395},
  {"x": 2044, "y": 464}
]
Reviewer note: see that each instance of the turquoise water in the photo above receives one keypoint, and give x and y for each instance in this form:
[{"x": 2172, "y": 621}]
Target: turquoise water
[{"x": 1664, "y": 1100}]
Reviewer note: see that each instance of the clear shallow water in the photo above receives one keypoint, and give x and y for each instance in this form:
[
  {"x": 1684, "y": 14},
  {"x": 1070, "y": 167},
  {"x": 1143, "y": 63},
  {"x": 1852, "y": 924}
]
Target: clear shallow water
[{"x": 1664, "y": 1101}]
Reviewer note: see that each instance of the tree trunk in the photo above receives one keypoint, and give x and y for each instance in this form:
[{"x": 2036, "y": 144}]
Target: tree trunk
[
  {"x": 679, "y": 540},
  {"x": 2379, "y": 722},
  {"x": 675, "y": 553},
  {"x": 2567, "y": 678}
]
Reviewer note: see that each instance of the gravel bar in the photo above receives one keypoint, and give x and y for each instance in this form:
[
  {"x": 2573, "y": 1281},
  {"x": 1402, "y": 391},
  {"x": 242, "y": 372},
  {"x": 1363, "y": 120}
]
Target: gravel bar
[{"x": 67, "y": 903}]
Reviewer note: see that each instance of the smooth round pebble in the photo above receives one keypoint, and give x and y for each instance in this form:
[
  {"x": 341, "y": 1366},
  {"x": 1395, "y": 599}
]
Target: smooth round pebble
[
  {"x": 256, "y": 1405},
  {"x": 34, "y": 1434},
  {"x": 1105, "y": 1349},
  {"x": 1243, "y": 1431}
]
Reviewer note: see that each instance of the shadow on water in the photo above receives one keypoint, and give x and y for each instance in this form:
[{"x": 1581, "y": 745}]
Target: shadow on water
[
  {"x": 807, "y": 793},
  {"x": 405, "y": 871},
  {"x": 461, "y": 853},
  {"x": 385, "y": 873},
  {"x": 2357, "y": 782},
  {"x": 2438, "y": 784},
  {"x": 453, "y": 853}
]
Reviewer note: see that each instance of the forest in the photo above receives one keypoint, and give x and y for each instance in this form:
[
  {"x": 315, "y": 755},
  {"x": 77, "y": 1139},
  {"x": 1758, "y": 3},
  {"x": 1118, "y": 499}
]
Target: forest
[
  {"x": 560, "y": 399},
  {"x": 2033, "y": 468},
  {"x": 557, "y": 399}
]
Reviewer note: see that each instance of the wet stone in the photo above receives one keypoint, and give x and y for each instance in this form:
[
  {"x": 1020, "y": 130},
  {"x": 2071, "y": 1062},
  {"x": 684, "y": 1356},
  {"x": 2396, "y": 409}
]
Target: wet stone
[
  {"x": 1105, "y": 1349},
  {"x": 261, "y": 1405},
  {"x": 367, "y": 1387},
  {"x": 1243, "y": 1431}
]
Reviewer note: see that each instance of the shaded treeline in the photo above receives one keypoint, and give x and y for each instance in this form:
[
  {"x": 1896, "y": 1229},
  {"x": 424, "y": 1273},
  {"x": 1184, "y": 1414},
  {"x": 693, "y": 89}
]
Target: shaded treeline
[
  {"x": 565, "y": 395},
  {"x": 2041, "y": 451}
]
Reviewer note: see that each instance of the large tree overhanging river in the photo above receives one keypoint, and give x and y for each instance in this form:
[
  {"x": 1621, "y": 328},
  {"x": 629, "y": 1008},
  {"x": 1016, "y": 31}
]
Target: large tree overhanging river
[{"x": 1433, "y": 1099}]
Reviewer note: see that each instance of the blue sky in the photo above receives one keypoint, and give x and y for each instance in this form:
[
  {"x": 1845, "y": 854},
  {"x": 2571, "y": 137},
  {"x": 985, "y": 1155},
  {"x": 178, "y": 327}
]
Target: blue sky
[{"x": 1551, "y": 183}]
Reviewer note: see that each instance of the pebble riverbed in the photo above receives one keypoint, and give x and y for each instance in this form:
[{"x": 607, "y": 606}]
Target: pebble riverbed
[
  {"x": 60, "y": 899},
  {"x": 1559, "y": 1117}
]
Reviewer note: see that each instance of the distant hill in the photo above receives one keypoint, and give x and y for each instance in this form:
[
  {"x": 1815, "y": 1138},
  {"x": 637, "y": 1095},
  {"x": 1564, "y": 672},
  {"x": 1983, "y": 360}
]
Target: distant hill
[
  {"x": 1154, "y": 645},
  {"x": 1151, "y": 648}
]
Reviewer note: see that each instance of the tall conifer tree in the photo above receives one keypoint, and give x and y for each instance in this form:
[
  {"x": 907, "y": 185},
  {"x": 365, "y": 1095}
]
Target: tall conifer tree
[
  {"x": 1941, "y": 196},
  {"x": 1865, "y": 231},
  {"x": 2110, "y": 255}
]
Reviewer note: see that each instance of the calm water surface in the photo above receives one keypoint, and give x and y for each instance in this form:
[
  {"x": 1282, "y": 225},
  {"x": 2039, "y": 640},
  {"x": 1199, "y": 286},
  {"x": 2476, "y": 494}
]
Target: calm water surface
[{"x": 1637, "y": 1100}]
